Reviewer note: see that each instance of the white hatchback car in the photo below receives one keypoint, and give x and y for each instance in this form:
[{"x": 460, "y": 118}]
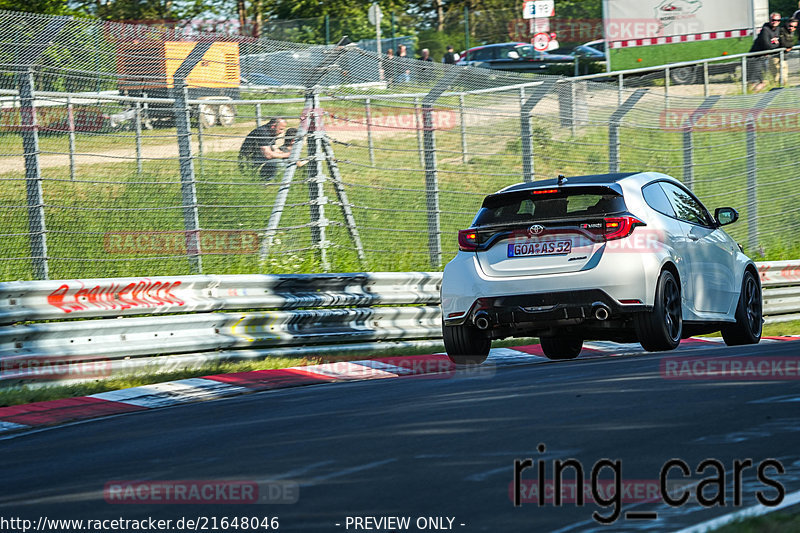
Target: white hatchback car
[{"x": 624, "y": 257}]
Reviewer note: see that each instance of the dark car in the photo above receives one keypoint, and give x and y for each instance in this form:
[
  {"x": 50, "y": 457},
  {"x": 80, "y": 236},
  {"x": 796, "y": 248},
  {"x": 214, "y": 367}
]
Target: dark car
[
  {"x": 514, "y": 56},
  {"x": 589, "y": 53}
]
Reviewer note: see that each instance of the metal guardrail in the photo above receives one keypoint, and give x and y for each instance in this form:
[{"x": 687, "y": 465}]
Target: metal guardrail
[
  {"x": 54, "y": 328},
  {"x": 737, "y": 60},
  {"x": 61, "y": 327}
]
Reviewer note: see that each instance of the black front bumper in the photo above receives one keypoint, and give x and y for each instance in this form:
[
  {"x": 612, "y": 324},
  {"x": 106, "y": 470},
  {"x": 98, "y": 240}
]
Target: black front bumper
[{"x": 545, "y": 307}]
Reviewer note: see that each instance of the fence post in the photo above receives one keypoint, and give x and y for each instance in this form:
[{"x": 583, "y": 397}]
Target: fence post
[
  {"x": 613, "y": 128},
  {"x": 420, "y": 146},
  {"x": 368, "y": 112},
  {"x": 431, "y": 172},
  {"x": 463, "y": 128},
  {"x": 258, "y": 115},
  {"x": 25, "y": 61},
  {"x": 781, "y": 59},
  {"x": 752, "y": 171},
  {"x": 71, "y": 127},
  {"x": 316, "y": 184},
  {"x": 744, "y": 75},
  {"x": 705, "y": 79},
  {"x": 138, "y": 122},
  {"x": 200, "y": 130},
  {"x": 526, "y": 133},
  {"x": 688, "y": 140},
  {"x": 183, "y": 123},
  {"x": 33, "y": 175},
  {"x": 620, "y": 87},
  {"x": 666, "y": 87}
]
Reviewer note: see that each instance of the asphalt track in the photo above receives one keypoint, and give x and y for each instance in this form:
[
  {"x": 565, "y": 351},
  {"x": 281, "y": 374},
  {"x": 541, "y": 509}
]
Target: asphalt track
[{"x": 426, "y": 446}]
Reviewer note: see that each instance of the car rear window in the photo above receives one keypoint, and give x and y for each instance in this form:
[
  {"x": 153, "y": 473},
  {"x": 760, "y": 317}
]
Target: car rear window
[{"x": 525, "y": 206}]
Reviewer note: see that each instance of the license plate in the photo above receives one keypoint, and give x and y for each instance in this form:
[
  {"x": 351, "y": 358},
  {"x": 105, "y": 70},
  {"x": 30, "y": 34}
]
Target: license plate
[{"x": 528, "y": 249}]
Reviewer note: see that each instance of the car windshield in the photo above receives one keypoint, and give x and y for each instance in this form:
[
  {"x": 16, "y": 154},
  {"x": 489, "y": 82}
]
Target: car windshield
[
  {"x": 526, "y": 51},
  {"x": 529, "y": 207}
]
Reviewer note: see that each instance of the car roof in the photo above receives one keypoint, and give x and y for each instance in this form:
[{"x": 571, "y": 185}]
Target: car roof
[
  {"x": 591, "y": 179},
  {"x": 515, "y": 43}
]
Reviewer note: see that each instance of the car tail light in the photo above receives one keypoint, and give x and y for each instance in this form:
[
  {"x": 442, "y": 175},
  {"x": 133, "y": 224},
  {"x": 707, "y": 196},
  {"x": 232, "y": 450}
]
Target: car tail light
[
  {"x": 467, "y": 240},
  {"x": 620, "y": 227},
  {"x": 545, "y": 191}
]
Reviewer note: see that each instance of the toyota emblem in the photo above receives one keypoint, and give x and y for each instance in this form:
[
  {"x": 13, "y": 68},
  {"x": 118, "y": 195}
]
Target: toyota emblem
[{"x": 536, "y": 229}]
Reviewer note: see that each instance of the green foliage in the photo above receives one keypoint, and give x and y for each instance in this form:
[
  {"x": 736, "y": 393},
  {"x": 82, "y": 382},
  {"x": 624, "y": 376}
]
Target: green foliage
[{"x": 48, "y": 7}]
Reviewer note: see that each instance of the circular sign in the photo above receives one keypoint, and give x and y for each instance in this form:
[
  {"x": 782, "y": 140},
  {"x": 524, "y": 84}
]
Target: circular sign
[{"x": 540, "y": 41}]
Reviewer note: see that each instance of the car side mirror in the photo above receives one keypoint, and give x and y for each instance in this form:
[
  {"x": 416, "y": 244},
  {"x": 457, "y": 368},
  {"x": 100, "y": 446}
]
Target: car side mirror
[{"x": 725, "y": 215}]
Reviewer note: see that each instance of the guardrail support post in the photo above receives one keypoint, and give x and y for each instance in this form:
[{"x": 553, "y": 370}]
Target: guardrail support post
[
  {"x": 613, "y": 129},
  {"x": 688, "y": 140},
  {"x": 258, "y": 115},
  {"x": 666, "y": 87},
  {"x": 33, "y": 175},
  {"x": 781, "y": 60},
  {"x": 705, "y": 79},
  {"x": 526, "y": 132}
]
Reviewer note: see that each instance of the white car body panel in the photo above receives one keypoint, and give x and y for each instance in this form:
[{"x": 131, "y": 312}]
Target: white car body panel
[{"x": 709, "y": 263}]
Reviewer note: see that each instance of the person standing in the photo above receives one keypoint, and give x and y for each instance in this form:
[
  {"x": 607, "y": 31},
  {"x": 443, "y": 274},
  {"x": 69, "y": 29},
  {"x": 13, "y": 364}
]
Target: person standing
[
  {"x": 787, "y": 41},
  {"x": 405, "y": 75},
  {"x": 450, "y": 58},
  {"x": 767, "y": 39},
  {"x": 425, "y": 55},
  {"x": 389, "y": 66}
]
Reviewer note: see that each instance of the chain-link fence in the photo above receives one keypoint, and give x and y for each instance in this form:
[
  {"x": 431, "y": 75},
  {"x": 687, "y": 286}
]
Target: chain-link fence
[{"x": 125, "y": 152}]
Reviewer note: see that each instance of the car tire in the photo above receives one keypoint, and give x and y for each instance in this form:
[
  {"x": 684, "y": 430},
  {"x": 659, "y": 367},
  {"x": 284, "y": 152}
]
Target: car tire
[
  {"x": 660, "y": 329},
  {"x": 683, "y": 75},
  {"x": 466, "y": 345},
  {"x": 561, "y": 348},
  {"x": 748, "y": 326}
]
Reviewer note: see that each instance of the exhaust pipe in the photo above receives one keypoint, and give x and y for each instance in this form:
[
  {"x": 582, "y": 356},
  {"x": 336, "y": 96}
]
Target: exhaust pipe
[
  {"x": 482, "y": 320},
  {"x": 600, "y": 311}
]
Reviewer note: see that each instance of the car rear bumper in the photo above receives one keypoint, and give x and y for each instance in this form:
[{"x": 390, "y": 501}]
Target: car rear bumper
[{"x": 544, "y": 307}]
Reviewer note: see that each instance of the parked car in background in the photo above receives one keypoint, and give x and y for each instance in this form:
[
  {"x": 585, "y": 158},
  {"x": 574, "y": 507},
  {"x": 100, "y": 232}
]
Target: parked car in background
[
  {"x": 593, "y": 52},
  {"x": 512, "y": 56}
]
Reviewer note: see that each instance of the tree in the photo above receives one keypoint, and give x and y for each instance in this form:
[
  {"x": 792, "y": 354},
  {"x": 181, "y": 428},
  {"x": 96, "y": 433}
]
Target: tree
[{"x": 49, "y": 7}]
